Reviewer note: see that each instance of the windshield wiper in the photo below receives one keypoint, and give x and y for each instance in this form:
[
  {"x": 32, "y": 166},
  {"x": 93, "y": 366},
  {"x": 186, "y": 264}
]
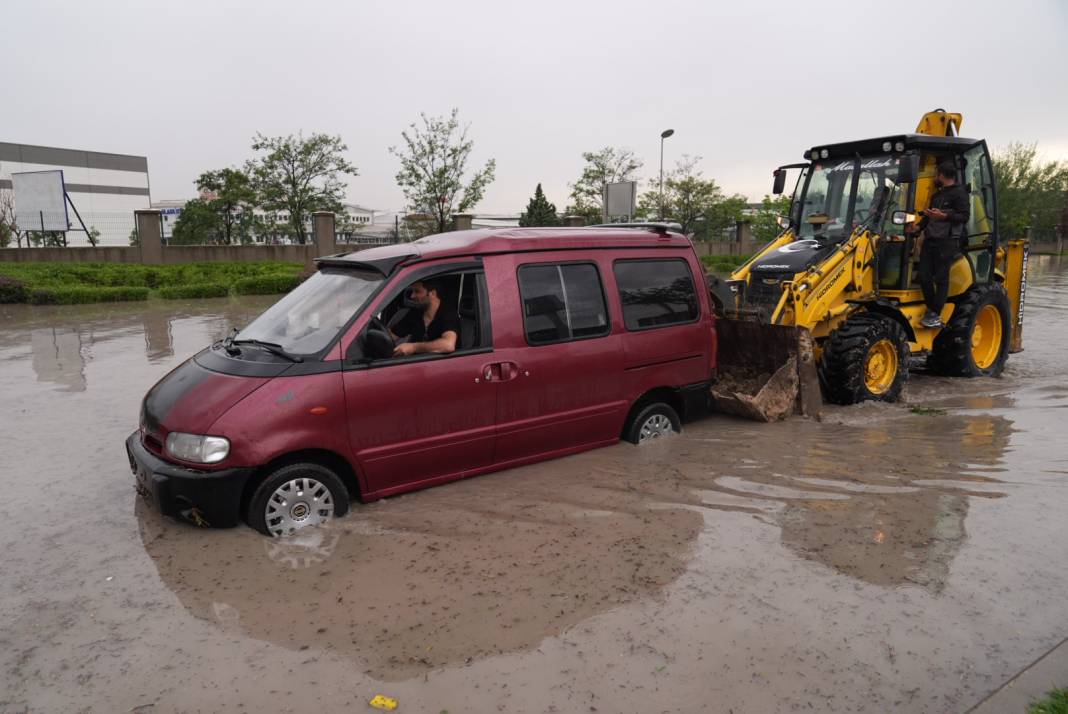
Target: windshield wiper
[
  {"x": 228, "y": 342},
  {"x": 272, "y": 347}
]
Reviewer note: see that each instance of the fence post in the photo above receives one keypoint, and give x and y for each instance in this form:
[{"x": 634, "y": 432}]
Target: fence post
[
  {"x": 149, "y": 233},
  {"x": 462, "y": 221},
  {"x": 744, "y": 237},
  {"x": 324, "y": 237}
]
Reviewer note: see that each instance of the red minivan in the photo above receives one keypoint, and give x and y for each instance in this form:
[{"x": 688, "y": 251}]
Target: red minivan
[{"x": 563, "y": 339}]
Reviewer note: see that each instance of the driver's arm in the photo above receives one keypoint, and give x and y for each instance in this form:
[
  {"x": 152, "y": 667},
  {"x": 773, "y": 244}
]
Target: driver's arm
[{"x": 443, "y": 345}]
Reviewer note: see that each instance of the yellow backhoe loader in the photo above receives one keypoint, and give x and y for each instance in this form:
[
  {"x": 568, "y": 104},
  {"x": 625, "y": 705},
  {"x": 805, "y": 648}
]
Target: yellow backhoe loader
[{"x": 836, "y": 296}]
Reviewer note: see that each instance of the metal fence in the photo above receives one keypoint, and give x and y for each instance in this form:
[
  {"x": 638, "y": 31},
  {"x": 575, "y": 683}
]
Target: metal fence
[{"x": 102, "y": 229}]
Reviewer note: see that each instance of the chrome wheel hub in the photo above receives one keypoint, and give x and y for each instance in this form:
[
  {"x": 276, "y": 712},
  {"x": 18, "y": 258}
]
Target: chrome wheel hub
[
  {"x": 654, "y": 427},
  {"x": 298, "y": 504}
]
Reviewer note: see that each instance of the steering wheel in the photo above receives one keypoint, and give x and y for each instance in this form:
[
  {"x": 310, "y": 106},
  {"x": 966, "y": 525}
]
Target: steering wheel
[{"x": 380, "y": 343}]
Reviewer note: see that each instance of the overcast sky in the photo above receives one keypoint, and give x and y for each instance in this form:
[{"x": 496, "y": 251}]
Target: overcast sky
[{"x": 748, "y": 87}]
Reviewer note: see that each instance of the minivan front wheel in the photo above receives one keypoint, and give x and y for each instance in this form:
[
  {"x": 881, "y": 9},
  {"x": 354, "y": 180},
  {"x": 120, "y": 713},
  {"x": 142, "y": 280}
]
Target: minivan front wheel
[
  {"x": 297, "y": 496},
  {"x": 652, "y": 422}
]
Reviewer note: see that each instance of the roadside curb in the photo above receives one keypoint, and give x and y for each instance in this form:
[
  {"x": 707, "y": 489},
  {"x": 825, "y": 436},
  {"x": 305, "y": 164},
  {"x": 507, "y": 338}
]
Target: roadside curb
[{"x": 1032, "y": 682}]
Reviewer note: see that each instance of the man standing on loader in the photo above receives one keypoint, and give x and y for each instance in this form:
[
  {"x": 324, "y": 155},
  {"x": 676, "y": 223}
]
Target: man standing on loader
[{"x": 943, "y": 225}]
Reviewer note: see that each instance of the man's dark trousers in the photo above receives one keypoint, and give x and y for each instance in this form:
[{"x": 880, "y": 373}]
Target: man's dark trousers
[{"x": 936, "y": 258}]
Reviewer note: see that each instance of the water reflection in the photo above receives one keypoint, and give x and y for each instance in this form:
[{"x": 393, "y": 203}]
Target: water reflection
[
  {"x": 61, "y": 340},
  {"x": 439, "y": 578},
  {"x": 885, "y": 504},
  {"x": 59, "y": 355}
]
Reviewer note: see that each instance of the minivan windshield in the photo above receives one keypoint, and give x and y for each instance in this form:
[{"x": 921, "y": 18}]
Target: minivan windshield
[
  {"x": 825, "y": 202},
  {"x": 307, "y": 319}
]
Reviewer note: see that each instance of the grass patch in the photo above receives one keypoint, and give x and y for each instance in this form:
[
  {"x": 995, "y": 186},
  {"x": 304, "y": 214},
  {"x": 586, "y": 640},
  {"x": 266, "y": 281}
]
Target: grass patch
[
  {"x": 196, "y": 290},
  {"x": 927, "y": 411},
  {"x": 1055, "y": 702},
  {"x": 723, "y": 264},
  {"x": 266, "y": 284},
  {"x": 69, "y": 283}
]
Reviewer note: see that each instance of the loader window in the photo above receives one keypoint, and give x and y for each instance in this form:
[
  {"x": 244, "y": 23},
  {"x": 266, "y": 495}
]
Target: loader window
[{"x": 831, "y": 187}]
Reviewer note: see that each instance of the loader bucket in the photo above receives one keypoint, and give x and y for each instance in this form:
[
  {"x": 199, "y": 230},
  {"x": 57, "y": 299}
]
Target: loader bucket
[{"x": 766, "y": 372}]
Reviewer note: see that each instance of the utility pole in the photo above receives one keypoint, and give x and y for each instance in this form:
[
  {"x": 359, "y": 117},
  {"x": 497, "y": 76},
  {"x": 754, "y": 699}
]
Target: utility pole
[{"x": 663, "y": 135}]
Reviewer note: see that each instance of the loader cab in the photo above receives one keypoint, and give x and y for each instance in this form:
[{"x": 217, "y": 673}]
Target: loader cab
[{"x": 861, "y": 185}]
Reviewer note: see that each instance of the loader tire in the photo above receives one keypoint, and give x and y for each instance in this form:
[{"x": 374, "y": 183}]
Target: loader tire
[
  {"x": 866, "y": 358},
  {"x": 976, "y": 341}
]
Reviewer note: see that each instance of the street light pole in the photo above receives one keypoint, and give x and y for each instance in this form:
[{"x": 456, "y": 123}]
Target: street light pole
[{"x": 663, "y": 135}]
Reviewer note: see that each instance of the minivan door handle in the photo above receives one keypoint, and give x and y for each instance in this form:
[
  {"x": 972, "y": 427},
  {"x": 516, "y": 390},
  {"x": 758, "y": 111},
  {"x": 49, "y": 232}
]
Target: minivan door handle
[{"x": 500, "y": 371}]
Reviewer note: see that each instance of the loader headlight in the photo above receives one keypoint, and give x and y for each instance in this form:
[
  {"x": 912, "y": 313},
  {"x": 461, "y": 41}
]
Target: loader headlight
[
  {"x": 197, "y": 448},
  {"x": 887, "y": 146},
  {"x": 824, "y": 153},
  {"x": 899, "y": 146}
]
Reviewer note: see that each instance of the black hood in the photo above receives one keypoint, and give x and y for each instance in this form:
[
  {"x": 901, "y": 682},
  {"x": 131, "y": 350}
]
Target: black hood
[{"x": 793, "y": 257}]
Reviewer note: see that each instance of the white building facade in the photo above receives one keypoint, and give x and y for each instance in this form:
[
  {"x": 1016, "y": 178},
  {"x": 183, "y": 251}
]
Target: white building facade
[{"x": 105, "y": 189}]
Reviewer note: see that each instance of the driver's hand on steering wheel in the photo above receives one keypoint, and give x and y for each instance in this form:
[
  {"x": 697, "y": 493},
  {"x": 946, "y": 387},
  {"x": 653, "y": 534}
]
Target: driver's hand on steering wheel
[{"x": 404, "y": 350}]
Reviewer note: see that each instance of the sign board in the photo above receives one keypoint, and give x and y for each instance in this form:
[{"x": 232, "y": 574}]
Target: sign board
[
  {"x": 40, "y": 201},
  {"x": 620, "y": 199}
]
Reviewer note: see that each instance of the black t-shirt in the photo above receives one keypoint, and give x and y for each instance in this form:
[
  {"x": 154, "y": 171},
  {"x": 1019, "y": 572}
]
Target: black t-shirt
[{"x": 413, "y": 327}]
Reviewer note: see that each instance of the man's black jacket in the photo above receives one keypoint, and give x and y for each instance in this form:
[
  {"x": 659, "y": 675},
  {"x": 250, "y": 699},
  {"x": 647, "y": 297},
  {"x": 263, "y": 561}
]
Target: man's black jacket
[{"x": 955, "y": 202}]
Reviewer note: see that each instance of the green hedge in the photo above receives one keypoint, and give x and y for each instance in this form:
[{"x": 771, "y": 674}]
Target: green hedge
[
  {"x": 149, "y": 276},
  {"x": 69, "y": 283},
  {"x": 723, "y": 263},
  {"x": 13, "y": 290},
  {"x": 197, "y": 290},
  {"x": 80, "y": 295},
  {"x": 266, "y": 285}
]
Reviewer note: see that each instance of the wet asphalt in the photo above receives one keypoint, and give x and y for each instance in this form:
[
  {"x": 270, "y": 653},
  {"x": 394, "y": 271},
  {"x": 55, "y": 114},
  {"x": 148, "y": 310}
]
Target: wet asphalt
[{"x": 884, "y": 559}]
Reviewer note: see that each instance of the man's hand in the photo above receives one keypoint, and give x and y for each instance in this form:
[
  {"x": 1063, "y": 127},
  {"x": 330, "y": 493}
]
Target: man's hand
[
  {"x": 408, "y": 348},
  {"x": 912, "y": 228},
  {"x": 936, "y": 213}
]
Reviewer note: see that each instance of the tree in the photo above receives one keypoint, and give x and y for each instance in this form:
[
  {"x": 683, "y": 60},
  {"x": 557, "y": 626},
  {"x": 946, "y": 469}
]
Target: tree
[
  {"x": 433, "y": 167},
  {"x": 8, "y": 225},
  {"x": 697, "y": 204},
  {"x": 765, "y": 224},
  {"x": 230, "y": 194},
  {"x": 602, "y": 167},
  {"x": 539, "y": 211},
  {"x": 1031, "y": 192},
  {"x": 197, "y": 224},
  {"x": 93, "y": 236},
  {"x": 299, "y": 176}
]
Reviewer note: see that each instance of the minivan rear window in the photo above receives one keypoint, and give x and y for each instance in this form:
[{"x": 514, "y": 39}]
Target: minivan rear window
[
  {"x": 562, "y": 302},
  {"x": 655, "y": 293}
]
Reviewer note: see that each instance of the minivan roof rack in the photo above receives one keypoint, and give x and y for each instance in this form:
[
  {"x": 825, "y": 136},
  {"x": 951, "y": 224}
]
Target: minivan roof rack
[{"x": 659, "y": 227}]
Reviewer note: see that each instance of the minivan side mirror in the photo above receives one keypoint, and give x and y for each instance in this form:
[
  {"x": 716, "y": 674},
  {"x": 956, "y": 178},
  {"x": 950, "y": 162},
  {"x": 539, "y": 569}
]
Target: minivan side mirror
[
  {"x": 780, "y": 182},
  {"x": 908, "y": 168}
]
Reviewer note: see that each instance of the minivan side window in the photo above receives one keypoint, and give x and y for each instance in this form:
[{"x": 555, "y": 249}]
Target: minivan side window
[
  {"x": 656, "y": 293},
  {"x": 562, "y": 302}
]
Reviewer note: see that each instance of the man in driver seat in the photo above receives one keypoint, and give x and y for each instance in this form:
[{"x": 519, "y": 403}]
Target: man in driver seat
[{"x": 429, "y": 327}]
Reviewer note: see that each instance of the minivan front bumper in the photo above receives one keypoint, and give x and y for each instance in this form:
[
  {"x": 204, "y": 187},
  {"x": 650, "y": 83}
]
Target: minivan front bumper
[{"x": 203, "y": 498}]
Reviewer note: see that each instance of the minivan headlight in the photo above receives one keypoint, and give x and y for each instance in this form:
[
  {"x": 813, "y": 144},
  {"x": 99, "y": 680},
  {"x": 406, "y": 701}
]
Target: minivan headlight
[{"x": 197, "y": 448}]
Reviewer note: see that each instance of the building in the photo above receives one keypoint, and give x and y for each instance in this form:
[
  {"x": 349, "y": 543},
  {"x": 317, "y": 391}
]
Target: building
[{"x": 104, "y": 189}]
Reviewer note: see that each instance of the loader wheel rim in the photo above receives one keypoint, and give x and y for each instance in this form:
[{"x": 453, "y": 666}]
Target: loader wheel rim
[
  {"x": 986, "y": 336},
  {"x": 880, "y": 367}
]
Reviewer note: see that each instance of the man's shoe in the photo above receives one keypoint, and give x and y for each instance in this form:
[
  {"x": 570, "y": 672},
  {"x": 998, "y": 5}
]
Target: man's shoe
[{"x": 931, "y": 320}]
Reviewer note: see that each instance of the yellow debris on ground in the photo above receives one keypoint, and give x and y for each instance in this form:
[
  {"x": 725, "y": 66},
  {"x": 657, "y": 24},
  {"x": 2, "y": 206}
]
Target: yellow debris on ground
[{"x": 381, "y": 701}]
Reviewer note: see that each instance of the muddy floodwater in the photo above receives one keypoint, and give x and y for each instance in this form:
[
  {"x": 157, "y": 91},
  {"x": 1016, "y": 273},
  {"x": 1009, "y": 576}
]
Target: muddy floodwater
[{"x": 905, "y": 558}]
